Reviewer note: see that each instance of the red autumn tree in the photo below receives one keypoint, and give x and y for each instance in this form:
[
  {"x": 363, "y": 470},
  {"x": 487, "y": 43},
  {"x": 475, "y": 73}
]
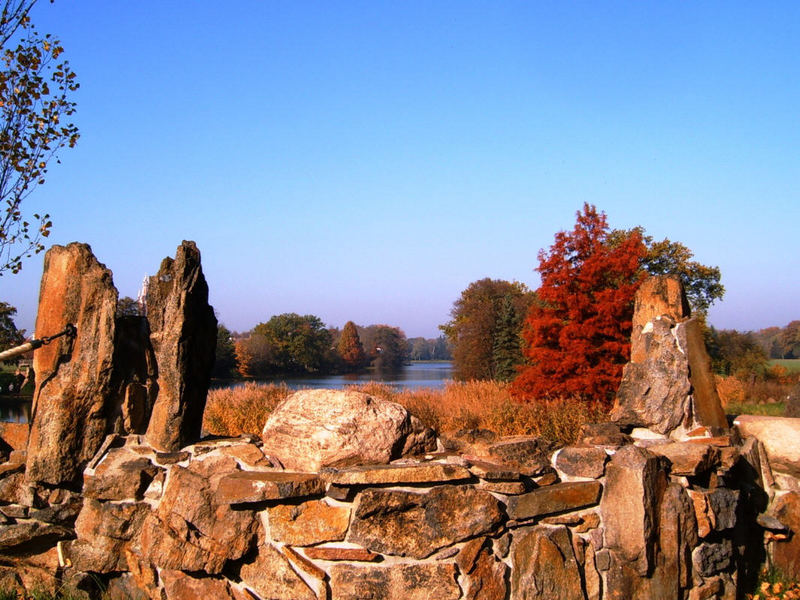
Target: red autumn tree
[
  {"x": 350, "y": 348},
  {"x": 577, "y": 337}
]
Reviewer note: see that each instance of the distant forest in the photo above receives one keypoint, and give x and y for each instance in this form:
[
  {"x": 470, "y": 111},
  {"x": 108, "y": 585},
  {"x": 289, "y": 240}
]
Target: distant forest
[{"x": 301, "y": 344}]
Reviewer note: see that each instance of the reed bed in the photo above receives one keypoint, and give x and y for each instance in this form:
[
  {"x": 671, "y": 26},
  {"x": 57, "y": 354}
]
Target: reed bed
[{"x": 459, "y": 405}]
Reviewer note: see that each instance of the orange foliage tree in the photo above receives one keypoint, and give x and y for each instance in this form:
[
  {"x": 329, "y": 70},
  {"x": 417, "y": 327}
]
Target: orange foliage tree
[
  {"x": 577, "y": 337},
  {"x": 350, "y": 348}
]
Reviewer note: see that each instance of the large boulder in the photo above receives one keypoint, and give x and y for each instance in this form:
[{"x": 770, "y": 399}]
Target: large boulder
[
  {"x": 73, "y": 375},
  {"x": 313, "y": 429},
  {"x": 668, "y": 385},
  {"x": 780, "y": 437},
  {"x": 183, "y": 333}
]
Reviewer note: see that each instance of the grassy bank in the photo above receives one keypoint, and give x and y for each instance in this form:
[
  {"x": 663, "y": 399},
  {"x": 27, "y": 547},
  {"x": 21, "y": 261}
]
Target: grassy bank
[{"x": 467, "y": 405}]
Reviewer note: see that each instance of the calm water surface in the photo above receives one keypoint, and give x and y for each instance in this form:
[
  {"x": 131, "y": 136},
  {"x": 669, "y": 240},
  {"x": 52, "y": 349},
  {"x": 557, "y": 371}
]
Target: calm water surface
[{"x": 414, "y": 375}]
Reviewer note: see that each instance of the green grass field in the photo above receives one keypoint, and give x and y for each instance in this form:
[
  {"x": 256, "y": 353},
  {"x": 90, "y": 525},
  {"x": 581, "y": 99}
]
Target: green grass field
[{"x": 790, "y": 364}]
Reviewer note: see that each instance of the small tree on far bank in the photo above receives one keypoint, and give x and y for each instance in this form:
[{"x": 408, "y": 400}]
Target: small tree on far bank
[
  {"x": 350, "y": 349},
  {"x": 577, "y": 336}
]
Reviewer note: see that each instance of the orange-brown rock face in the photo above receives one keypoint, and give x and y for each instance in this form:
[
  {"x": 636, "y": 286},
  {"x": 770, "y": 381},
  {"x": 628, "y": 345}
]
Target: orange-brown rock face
[
  {"x": 668, "y": 384},
  {"x": 183, "y": 332},
  {"x": 72, "y": 375}
]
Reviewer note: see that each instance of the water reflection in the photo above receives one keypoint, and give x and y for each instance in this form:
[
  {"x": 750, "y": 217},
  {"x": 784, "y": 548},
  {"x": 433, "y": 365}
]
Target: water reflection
[
  {"x": 415, "y": 375},
  {"x": 15, "y": 409}
]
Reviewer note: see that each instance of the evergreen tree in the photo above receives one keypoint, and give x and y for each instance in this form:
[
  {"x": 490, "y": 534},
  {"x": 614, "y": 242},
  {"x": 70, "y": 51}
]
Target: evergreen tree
[{"x": 507, "y": 351}]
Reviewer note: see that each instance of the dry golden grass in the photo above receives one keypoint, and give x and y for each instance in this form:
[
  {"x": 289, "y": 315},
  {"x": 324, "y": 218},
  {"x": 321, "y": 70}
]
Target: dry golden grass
[
  {"x": 460, "y": 405},
  {"x": 242, "y": 409}
]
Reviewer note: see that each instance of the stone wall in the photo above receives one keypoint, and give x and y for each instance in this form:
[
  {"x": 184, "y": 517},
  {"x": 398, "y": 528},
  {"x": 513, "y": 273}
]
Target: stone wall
[{"x": 346, "y": 496}]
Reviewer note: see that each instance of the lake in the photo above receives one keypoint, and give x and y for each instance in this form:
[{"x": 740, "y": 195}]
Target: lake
[{"x": 434, "y": 374}]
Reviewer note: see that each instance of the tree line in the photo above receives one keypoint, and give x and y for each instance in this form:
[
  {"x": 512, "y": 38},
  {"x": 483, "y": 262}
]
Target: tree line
[
  {"x": 292, "y": 344},
  {"x": 571, "y": 336}
]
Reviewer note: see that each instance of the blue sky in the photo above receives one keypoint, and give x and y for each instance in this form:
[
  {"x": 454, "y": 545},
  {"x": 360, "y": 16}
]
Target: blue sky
[{"x": 368, "y": 160}]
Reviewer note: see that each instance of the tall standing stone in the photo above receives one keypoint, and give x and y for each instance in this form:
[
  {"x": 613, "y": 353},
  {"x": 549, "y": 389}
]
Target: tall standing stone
[
  {"x": 73, "y": 376},
  {"x": 668, "y": 385},
  {"x": 183, "y": 333}
]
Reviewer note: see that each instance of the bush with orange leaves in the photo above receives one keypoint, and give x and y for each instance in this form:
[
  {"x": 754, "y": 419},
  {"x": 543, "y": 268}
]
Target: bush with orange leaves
[{"x": 460, "y": 405}]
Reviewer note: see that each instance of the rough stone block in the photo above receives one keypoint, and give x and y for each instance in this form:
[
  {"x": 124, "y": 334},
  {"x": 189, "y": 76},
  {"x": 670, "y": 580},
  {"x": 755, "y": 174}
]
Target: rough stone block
[
  {"x": 417, "y": 525},
  {"x": 560, "y": 497}
]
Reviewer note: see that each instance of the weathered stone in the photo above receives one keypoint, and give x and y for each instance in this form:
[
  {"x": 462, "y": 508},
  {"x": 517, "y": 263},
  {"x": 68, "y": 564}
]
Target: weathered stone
[
  {"x": 248, "y": 454},
  {"x": 668, "y": 382},
  {"x": 182, "y": 586},
  {"x": 244, "y": 487},
  {"x": 486, "y": 580},
  {"x": 133, "y": 382},
  {"x": 15, "y": 435},
  {"x": 577, "y": 461},
  {"x": 655, "y": 392},
  {"x": 688, "y": 458},
  {"x": 677, "y": 536},
  {"x": 183, "y": 333},
  {"x": 172, "y": 544},
  {"x": 271, "y": 576},
  {"x": 430, "y": 472},
  {"x": 491, "y": 471},
  {"x": 189, "y": 497},
  {"x": 27, "y": 534},
  {"x": 544, "y": 565},
  {"x": 104, "y": 530},
  {"x": 73, "y": 376},
  {"x": 635, "y": 480},
  {"x": 502, "y": 545},
  {"x": 786, "y": 553},
  {"x": 313, "y": 429},
  {"x": 63, "y": 513},
  {"x": 305, "y": 565},
  {"x": 657, "y": 297},
  {"x": 552, "y": 499},
  {"x": 468, "y": 441},
  {"x": 336, "y": 553},
  {"x": 121, "y": 475},
  {"x": 171, "y": 458},
  {"x": 779, "y": 436},
  {"x": 589, "y": 521},
  {"x": 468, "y": 554},
  {"x": 706, "y": 406},
  {"x": 14, "y": 511},
  {"x": 11, "y": 483},
  {"x": 416, "y": 525},
  {"x": 407, "y": 581},
  {"x": 603, "y": 434},
  {"x": 592, "y": 579},
  {"x": 507, "y": 488},
  {"x": 308, "y": 523},
  {"x": 710, "y": 559},
  {"x": 529, "y": 455}
]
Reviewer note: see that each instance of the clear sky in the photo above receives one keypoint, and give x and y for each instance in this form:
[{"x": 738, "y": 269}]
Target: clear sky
[{"x": 368, "y": 160}]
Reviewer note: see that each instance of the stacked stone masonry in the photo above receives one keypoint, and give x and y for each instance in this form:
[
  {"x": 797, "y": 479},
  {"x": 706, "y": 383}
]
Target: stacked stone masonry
[
  {"x": 217, "y": 519},
  {"x": 347, "y": 497}
]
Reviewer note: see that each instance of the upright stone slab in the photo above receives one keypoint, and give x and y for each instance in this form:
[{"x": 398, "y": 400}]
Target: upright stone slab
[
  {"x": 73, "y": 376},
  {"x": 667, "y": 385},
  {"x": 183, "y": 332},
  {"x": 635, "y": 482}
]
